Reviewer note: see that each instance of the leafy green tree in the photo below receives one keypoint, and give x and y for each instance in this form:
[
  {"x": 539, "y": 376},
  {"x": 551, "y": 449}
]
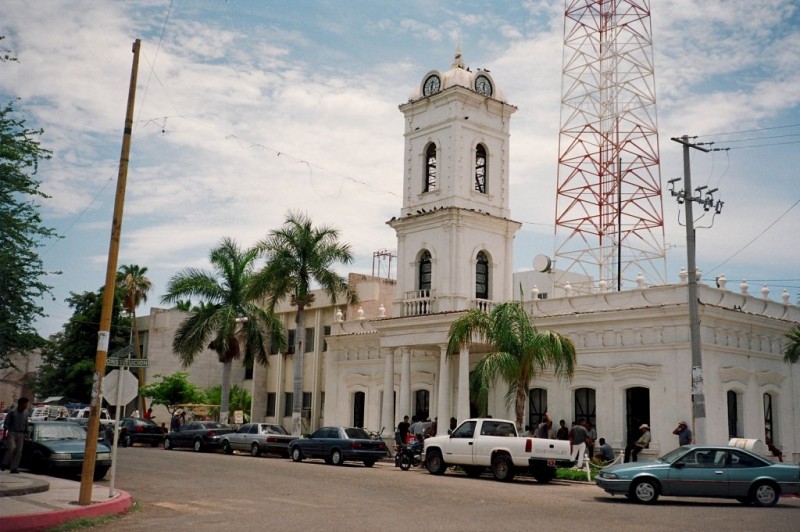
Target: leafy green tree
[
  {"x": 172, "y": 391},
  {"x": 518, "y": 351},
  {"x": 239, "y": 400},
  {"x": 230, "y": 322},
  {"x": 21, "y": 233},
  {"x": 299, "y": 255},
  {"x": 791, "y": 352},
  {"x": 68, "y": 361}
]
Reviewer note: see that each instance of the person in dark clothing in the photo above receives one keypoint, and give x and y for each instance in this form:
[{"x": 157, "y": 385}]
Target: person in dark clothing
[
  {"x": 563, "y": 431},
  {"x": 402, "y": 431},
  {"x": 15, "y": 427}
]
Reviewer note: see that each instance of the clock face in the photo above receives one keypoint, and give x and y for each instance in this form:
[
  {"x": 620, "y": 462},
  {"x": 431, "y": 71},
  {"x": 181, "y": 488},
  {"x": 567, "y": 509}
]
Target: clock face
[
  {"x": 432, "y": 85},
  {"x": 483, "y": 85}
]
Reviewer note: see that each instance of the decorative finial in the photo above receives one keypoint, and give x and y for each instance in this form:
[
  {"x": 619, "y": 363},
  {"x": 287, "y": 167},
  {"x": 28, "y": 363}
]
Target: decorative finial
[
  {"x": 683, "y": 275},
  {"x": 360, "y": 313},
  {"x": 785, "y": 296},
  {"x": 339, "y": 315},
  {"x": 458, "y": 62},
  {"x": 568, "y": 289},
  {"x": 765, "y": 292},
  {"x": 743, "y": 286},
  {"x": 603, "y": 286},
  {"x": 535, "y": 292},
  {"x": 640, "y": 280},
  {"x": 381, "y": 311}
]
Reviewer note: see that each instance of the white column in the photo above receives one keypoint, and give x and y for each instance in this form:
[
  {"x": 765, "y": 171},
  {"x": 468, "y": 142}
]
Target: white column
[
  {"x": 387, "y": 413},
  {"x": 405, "y": 382},
  {"x": 463, "y": 384},
  {"x": 443, "y": 401}
]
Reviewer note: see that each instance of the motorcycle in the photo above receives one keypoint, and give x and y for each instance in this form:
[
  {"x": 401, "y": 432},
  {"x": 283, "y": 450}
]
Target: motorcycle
[{"x": 410, "y": 455}]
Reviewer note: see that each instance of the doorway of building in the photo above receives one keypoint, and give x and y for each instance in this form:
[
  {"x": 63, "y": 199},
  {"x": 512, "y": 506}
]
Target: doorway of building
[
  {"x": 422, "y": 404},
  {"x": 637, "y": 406},
  {"x": 358, "y": 409}
]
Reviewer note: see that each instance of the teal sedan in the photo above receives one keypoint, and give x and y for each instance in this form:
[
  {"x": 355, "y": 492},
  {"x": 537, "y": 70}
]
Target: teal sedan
[{"x": 703, "y": 471}]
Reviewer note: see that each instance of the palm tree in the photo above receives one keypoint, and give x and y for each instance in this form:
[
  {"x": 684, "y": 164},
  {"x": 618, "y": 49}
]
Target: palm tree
[
  {"x": 791, "y": 353},
  {"x": 299, "y": 254},
  {"x": 131, "y": 279},
  {"x": 518, "y": 351},
  {"x": 227, "y": 320},
  {"x": 184, "y": 305}
]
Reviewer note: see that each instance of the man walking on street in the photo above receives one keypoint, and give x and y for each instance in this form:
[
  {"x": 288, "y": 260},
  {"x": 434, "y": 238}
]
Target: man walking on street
[{"x": 15, "y": 427}]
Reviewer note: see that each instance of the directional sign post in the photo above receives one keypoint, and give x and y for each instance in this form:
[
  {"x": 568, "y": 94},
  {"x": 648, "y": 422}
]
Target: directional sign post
[{"x": 128, "y": 362}]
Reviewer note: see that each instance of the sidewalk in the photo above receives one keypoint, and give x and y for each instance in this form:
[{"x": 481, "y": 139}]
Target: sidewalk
[{"x": 37, "y": 502}]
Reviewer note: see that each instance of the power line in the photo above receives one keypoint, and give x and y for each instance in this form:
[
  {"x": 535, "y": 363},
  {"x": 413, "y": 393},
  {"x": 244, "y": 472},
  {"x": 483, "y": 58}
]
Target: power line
[
  {"x": 717, "y": 267},
  {"x": 748, "y": 131}
]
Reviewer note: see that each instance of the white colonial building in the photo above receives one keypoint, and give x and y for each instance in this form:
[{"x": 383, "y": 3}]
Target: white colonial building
[{"x": 370, "y": 365}]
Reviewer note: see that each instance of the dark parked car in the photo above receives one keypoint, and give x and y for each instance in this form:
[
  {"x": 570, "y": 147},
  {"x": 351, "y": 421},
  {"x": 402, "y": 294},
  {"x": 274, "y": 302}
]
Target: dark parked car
[
  {"x": 199, "y": 435},
  {"x": 337, "y": 445},
  {"x": 55, "y": 446},
  {"x": 257, "y": 438},
  {"x": 138, "y": 430},
  {"x": 703, "y": 471}
]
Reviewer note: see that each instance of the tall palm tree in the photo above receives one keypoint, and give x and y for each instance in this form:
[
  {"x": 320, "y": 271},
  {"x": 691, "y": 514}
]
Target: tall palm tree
[
  {"x": 791, "y": 353},
  {"x": 297, "y": 255},
  {"x": 518, "y": 351},
  {"x": 135, "y": 285},
  {"x": 227, "y": 320}
]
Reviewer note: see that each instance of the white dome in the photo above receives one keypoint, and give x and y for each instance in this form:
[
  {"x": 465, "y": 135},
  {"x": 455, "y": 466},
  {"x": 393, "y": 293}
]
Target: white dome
[{"x": 460, "y": 76}]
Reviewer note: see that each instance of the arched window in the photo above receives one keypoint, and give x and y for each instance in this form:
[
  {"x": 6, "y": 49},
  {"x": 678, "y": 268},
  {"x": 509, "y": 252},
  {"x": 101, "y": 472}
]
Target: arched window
[
  {"x": 537, "y": 406},
  {"x": 769, "y": 420},
  {"x": 430, "y": 168},
  {"x": 482, "y": 276},
  {"x": 480, "y": 169},
  {"x": 585, "y": 405},
  {"x": 422, "y": 407},
  {"x": 425, "y": 270}
]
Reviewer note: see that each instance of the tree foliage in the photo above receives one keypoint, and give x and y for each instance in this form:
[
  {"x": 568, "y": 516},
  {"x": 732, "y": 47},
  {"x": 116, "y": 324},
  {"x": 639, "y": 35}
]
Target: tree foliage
[
  {"x": 68, "y": 360},
  {"x": 22, "y": 232},
  {"x": 791, "y": 352},
  {"x": 518, "y": 352},
  {"x": 299, "y": 254},
  {"x": 239, "y": 399},
  {"x": 172, "y": 391}
]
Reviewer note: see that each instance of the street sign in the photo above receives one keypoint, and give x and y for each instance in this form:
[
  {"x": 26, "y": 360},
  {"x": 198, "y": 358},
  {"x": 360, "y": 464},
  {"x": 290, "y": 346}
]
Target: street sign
[
  {"x": 120, "y": 378},
  {"x": 128, "y": 362}
]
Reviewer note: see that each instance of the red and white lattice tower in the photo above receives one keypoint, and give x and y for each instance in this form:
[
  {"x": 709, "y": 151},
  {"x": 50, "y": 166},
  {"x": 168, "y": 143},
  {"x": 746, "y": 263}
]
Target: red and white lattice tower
[{"x": 609, "y": 213}]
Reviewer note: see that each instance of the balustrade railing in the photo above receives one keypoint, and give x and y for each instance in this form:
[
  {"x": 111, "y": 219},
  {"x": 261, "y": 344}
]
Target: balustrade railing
[{"x": 418, "y": 302}]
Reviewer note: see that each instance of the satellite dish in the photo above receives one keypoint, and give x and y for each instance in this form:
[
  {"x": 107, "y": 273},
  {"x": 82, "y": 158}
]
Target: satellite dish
[{"x": 542, "y": 263}]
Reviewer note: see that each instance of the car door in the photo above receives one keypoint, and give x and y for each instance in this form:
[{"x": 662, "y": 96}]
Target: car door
[
  {"x": 701, "y": 472},
  {"x": 742, "y": 469},
  {"x": 314, "y": 445},
  {"x": 460, "y": 447},
  {"x": 330, "y": 440},
  {"x": 237, "y": 439}
]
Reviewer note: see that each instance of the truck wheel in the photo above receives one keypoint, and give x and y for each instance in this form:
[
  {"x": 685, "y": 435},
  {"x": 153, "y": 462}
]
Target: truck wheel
[
  {"x": 255, "y": 450},
  {"x": 502, "y": 468},
  {"x": 435, "y": 463},
  {"x": 405, "y": 462},
  {"x": 543, "y": 474},
  {"x": 369, "y": 463}
]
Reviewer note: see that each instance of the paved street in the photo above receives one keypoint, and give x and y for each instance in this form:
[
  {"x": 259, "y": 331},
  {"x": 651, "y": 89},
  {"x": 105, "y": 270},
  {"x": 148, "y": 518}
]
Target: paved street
[{"x": 177, "y": 490}]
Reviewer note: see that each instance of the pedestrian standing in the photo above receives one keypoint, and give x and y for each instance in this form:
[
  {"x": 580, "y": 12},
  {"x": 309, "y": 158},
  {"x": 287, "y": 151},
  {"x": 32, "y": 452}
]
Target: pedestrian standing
[
  {"x": 15, "y": 427},
  {"x": 579, "y": 435},
  {"x": 684, "y": 434}
]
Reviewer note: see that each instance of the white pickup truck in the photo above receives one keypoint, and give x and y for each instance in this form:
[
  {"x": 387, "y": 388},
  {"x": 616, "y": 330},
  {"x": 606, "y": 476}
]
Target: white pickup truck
[{"x": 481, "y": 443}]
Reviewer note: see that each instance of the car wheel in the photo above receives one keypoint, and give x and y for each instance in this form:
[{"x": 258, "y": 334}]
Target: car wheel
[
  {"x": 645, "y": 491},
  {"x": 369, "y": 463},
  {"x": 502, "y": 468},
  {"x": 100, "y": 473},
  {"x": 472, "y": 472},
  {"x": 167, "y": 444},
  {"x": 405, "y": 462},
  {"x": 255, "y": 450},
  {"x": 226, "y": 447},
  {"x": 297, "y": 454},
  {"x": 764, "y": 494},
  {"x": 435, "y": 463},
  {"x": 336, "y": 457},
  {"x": 198, "y": 445}
]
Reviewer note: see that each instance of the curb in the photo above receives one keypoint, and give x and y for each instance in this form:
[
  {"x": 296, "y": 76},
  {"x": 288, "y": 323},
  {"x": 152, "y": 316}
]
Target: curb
[
  {"x": 34, "y": 486},
  {"x": 31, "y": 522}
]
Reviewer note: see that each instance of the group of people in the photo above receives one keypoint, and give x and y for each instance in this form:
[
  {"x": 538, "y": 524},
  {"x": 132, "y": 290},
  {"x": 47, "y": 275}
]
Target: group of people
[{"x": 417, "y": 429}]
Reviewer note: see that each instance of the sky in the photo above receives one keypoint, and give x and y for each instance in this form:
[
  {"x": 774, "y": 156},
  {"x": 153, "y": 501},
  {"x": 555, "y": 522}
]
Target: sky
[{"x": 247, "y": 110}]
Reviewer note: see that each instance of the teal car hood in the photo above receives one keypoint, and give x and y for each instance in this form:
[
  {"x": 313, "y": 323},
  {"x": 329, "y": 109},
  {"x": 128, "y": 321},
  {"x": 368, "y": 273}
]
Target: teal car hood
[{"x": 637, "y": 467}]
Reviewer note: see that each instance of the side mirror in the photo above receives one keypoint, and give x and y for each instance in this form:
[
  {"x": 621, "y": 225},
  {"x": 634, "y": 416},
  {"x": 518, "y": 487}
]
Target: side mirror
[
  {"x": 679, "y": 465},
  {"x": 450, "y": 432}
]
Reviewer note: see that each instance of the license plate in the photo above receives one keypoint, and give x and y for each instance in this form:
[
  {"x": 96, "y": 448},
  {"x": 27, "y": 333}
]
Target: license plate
[{"x": 551, "y": 463}]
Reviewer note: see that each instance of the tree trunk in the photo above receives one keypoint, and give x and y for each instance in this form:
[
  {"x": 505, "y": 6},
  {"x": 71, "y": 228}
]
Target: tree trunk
[
  {"x": 297, "y": 399},
  {"x": 519, "y": 406},
  {"x": 225, "y": 392}
]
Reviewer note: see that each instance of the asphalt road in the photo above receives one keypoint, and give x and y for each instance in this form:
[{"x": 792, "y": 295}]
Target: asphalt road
[{"x": 182, "y": 490}]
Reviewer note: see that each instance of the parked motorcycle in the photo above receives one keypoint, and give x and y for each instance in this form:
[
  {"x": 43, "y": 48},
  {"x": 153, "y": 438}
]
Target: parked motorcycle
[{"x": 410, "y": 455}]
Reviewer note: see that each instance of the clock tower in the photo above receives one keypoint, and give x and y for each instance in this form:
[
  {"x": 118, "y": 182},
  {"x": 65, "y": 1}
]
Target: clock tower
[{"x": 454, "y": 235}]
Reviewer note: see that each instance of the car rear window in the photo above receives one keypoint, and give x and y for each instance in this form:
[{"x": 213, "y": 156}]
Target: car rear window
[{"x": 356, "y": 434}]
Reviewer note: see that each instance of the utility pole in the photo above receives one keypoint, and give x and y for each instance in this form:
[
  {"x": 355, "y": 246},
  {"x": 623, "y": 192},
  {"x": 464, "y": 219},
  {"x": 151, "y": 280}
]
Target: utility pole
[
  {"x": 684, "y": 197},
  {"x": 104, "y": 333}
]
